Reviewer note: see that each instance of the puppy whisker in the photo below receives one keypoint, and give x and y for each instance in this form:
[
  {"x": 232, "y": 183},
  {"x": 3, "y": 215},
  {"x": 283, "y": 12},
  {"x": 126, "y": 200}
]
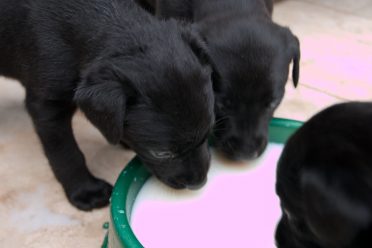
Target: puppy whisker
[
  {"x": 220, "y": 121},
  {"x": 223, "y": 118}
]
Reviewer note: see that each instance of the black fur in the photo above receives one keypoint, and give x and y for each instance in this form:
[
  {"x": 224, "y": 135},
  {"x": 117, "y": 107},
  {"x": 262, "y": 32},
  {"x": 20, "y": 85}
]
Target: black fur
[
  {"x": 324, "y": 181},
  {"x": 250, "y": 55},
  {"x": 137, "y": 79}
]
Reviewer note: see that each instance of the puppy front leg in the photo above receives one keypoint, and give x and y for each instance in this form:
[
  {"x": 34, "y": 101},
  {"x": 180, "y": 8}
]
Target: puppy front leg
[{"x": 52, "y": 121}]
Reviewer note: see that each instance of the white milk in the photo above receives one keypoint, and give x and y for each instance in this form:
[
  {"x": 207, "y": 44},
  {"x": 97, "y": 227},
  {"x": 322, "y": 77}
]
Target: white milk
[{"x": 237, "y": 207}]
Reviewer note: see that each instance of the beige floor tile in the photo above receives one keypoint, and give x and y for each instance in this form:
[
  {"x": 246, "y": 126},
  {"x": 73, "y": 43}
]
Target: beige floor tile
[
  {"x": 335, "y": 48},
  {"x": 33, "y": 209},
  {"x": 307, "y": 19},
  {"x": 348, "y": 6},
  {"x": 365, "y": 11},
  {"x": 302, "y": 103},
  {"x": 339, "y": 65}
]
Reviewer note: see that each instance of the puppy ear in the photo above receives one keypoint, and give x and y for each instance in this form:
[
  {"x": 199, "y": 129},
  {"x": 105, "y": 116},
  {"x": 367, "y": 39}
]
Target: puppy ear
[
  {"x": 200, "y": 48},
  {"x": 295, "y": 55},
  {"x": 197, "y": 45},
  {"x": 101, "y": 97},
  {"x": 334, "y": 214}
]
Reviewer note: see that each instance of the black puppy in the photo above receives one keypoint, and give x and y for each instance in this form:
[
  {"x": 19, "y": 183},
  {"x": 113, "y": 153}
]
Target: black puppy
[
  {"x": 137, "y": 79},
  {"x": 251, "y": 56},
  {"x": 324, "y": 181}
]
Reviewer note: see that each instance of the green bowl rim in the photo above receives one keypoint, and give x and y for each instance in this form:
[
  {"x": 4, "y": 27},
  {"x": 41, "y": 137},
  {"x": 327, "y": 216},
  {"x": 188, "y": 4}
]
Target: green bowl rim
[{"x": 134, "y": 176}]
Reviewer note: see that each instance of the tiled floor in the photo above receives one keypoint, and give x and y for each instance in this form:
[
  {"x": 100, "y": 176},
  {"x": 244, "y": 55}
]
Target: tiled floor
[
  {"x": 336, "y": 44},
  {"x": 336, "y": 41}
]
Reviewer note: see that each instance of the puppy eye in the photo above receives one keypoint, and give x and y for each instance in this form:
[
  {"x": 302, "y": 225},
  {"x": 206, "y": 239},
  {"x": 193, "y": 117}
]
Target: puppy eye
[{"x": 162, "y": 154}]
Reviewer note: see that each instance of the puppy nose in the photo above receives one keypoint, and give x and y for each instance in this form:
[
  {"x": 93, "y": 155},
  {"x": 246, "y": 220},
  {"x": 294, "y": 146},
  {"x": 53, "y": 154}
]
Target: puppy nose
[
  {"x": 249, "y": 148},
  {"x": 254, "y": 150},
  {"x": 197, "y": 186}
]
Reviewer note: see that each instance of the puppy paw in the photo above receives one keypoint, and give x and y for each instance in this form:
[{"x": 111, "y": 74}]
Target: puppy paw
[{"x": 89, "y": 195}]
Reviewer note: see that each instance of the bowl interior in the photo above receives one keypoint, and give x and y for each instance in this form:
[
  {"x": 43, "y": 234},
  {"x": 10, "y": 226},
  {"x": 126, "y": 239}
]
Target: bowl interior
[{"x": 134, "y": 176}]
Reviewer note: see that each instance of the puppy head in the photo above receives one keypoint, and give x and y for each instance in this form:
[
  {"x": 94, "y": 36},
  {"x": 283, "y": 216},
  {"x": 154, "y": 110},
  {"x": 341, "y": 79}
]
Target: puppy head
[
  {"x": 251, "y": 61},
  {"x": 330, "y": 212},
  {"x": 324, "y": 182},
  {"x": 158, "y": 99}
]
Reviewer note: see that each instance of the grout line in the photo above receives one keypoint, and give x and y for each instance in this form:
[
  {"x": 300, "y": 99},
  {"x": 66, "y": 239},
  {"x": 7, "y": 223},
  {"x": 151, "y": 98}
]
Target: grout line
[{"x": 324, "y": 92}]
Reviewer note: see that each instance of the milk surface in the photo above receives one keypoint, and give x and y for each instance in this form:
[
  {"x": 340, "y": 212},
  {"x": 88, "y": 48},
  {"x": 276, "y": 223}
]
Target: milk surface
[{"x": 237, "y": 207}]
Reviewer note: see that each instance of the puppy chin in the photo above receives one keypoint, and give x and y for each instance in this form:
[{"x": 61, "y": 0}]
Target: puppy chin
[
  {"x": 176, "y": 184},
  {"x": 239, "y": 154},
  {"x": 284, "y": 236},
  {"x": 173, "y": 184},
  {"x": 168, "y": 181}
]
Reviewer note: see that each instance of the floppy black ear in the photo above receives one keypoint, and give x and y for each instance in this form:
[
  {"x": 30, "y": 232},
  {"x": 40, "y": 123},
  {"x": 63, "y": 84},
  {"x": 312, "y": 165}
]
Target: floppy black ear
[
  {"x": 197, "y": 45},
  {"x": 165, "y": 9},
  {"x": 296, "y": 55},
  {"x": 101, "y": 97},
  {"x": 334, "y": 215},
  {"x": 200, "y": 48},
  {"x": 293, "y": 45}
]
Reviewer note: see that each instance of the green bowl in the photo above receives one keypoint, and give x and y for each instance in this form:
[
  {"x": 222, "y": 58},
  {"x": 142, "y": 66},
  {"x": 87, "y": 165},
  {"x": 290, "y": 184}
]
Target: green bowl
[{"x": 134, "y": 176}]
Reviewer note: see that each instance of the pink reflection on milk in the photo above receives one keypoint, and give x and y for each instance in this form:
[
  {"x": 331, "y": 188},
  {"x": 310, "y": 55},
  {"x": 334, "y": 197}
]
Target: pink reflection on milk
[{"x": 237, "y": 208}]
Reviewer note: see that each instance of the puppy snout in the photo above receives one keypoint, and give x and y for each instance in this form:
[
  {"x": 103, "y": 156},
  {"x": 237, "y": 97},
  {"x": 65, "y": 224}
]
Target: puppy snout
[
  {"x": 195, "y": 179},
  {"x": 243, "y": 148},
  {"x": 192, "y": 180},
  {"x": 197, "y": 185},
  {"x": 189, "y": 181},
  {"x": 254, "y": 147},
  {"x": 193, "y": 170}
]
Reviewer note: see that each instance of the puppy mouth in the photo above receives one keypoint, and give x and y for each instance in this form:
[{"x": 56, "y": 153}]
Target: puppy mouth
[
  {"x": 169, "y": 182},
  {"x": 233, "y": 157},
  {"x": 173, "y": 184},
  {"x": 177, "y": 184},
  {"x": 238, "y": 154},
  {"x": 198, "y": 185}
]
